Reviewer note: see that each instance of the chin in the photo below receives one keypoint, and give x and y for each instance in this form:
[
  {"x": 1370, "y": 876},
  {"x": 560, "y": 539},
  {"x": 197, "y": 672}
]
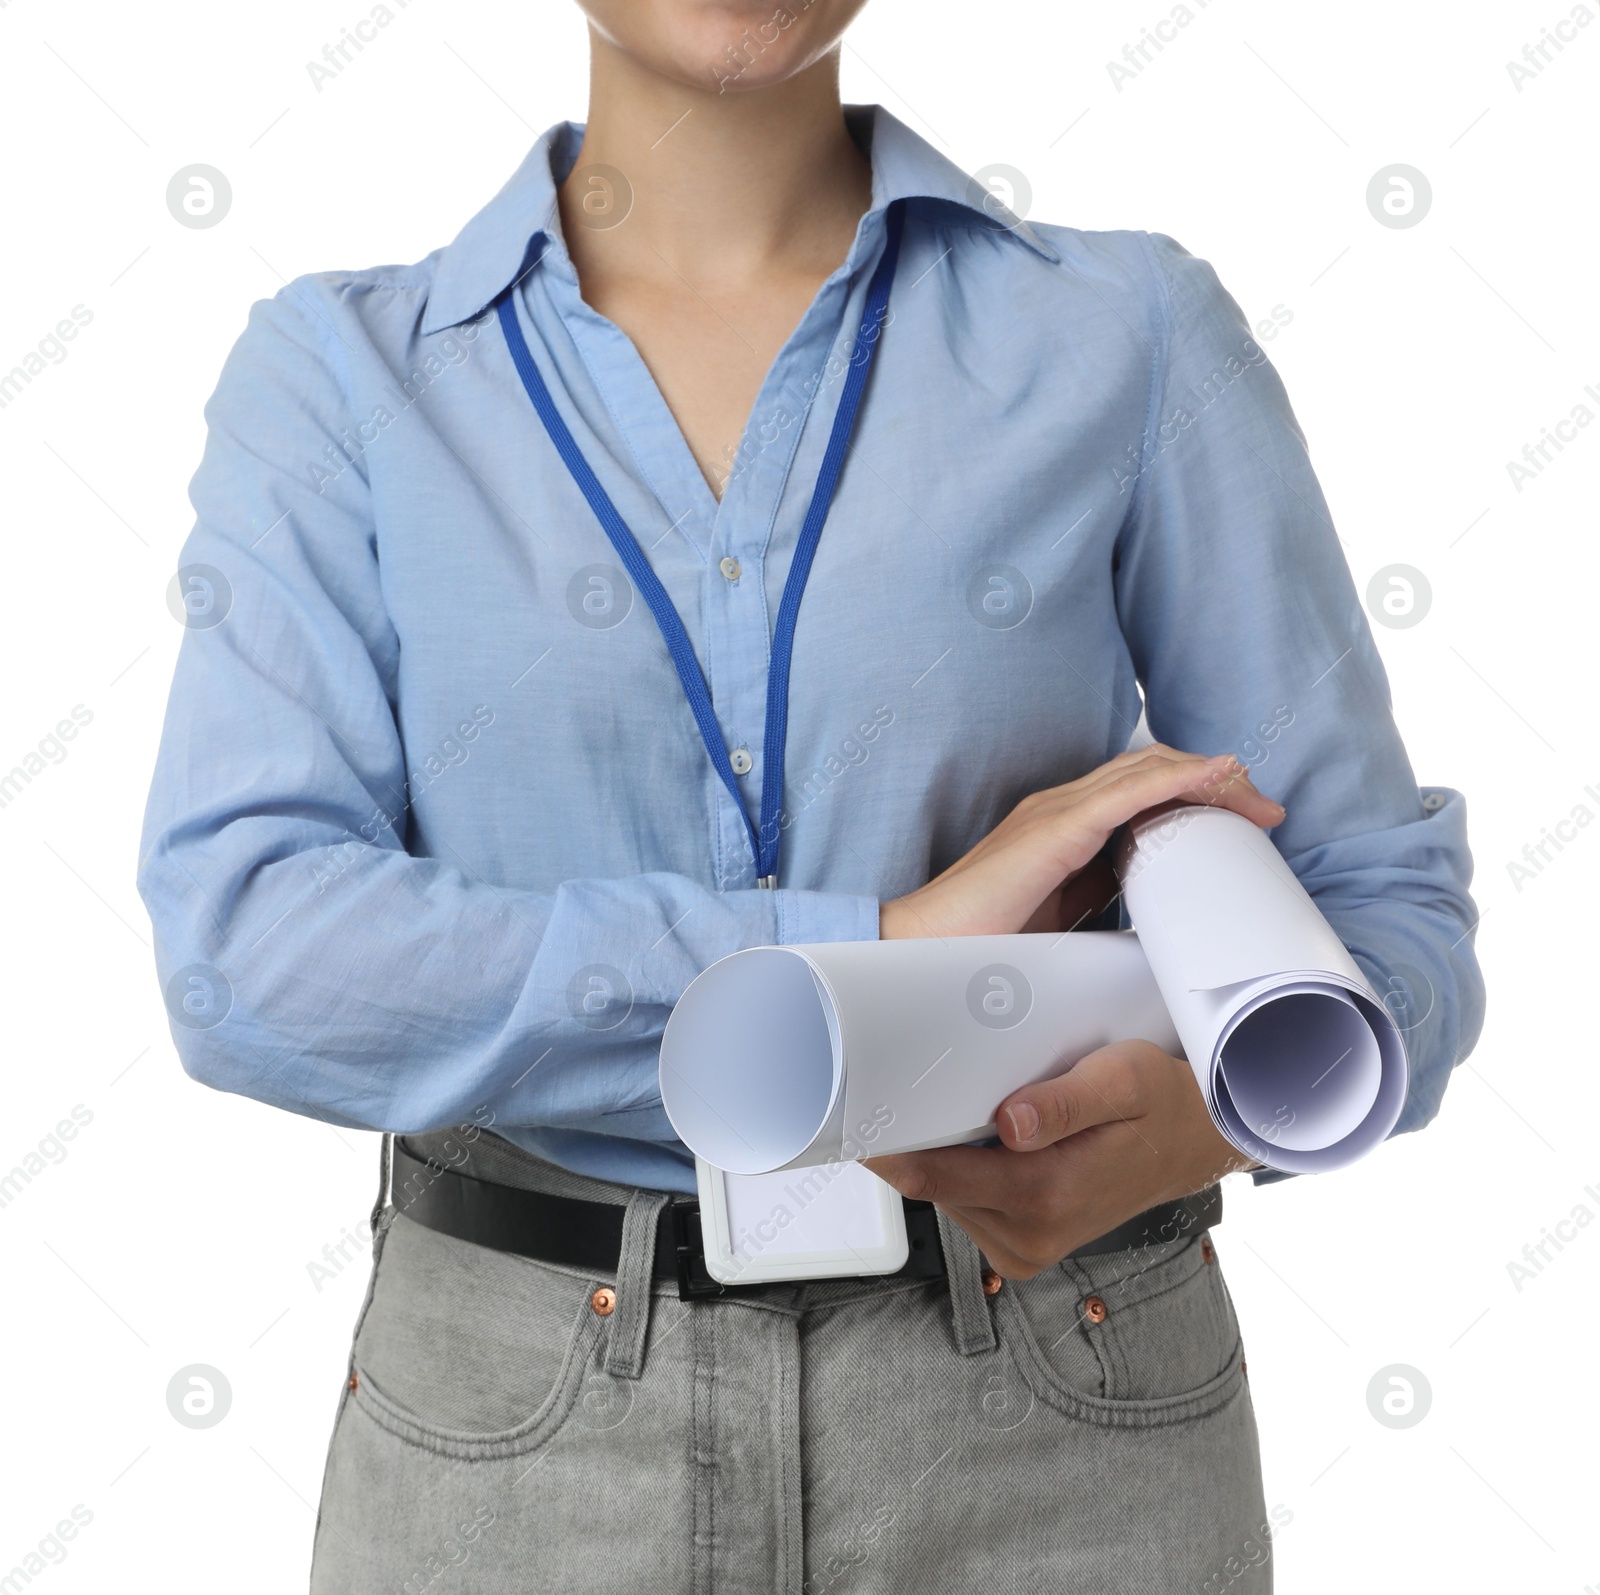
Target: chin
[{"x": 723, "y": 46}]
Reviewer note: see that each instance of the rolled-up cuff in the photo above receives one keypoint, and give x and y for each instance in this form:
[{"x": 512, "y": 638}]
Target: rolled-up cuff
[{"x": 825, "y": 916}]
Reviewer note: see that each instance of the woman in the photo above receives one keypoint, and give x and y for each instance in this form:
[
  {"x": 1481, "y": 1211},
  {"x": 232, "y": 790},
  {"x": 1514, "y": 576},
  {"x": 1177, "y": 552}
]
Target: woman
[{"x": 473, "y": 761}]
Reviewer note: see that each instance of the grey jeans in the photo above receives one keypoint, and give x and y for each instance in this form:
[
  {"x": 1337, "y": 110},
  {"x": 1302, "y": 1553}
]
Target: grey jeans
[{"x": 497, "y": 1433}]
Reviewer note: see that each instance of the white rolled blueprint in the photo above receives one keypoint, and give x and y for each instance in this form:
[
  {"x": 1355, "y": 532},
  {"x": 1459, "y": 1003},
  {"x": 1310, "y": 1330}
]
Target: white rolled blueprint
[
  {"x": 786, "y": 1057},
  {"x": 789, "y": 1057},
  {"x": 1301, "y": 1065}
]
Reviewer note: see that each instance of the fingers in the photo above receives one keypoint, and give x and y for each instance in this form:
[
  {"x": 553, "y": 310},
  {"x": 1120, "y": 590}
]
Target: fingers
[
  {"x": 964, "y": 1176},
  {"x": 1221, "y": 782},
  {"x": 1111, "y": 1086},
  {"x": 1007, "y": 881},
  {"x": 1074, "y": 821},
  {"x": 1232, "y": 788},
  {"x": 1159, "y": 775},
  {"x": 1032, "y": 1211},
  {"x": 997, "y": 1247},
  {"x": 913, "y": 1174},
  {"x": 1107, "y": 1087}
]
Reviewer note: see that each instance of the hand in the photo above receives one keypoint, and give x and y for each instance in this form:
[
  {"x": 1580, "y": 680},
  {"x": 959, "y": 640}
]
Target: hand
[
  {"x": 1124, "y": 1129},
  {"x": 1042, "y": 869}
]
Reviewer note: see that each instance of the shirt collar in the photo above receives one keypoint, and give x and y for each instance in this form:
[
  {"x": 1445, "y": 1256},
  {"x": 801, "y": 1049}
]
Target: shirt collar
[{"x": 493, "y": 249}]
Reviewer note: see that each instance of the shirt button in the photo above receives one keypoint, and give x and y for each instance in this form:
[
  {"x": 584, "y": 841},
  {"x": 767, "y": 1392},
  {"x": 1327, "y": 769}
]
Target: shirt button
[
  {"x": 730, "y": 568},
  {"x": 741, "y": 761},
  {"x": 1433, "y": 802}
]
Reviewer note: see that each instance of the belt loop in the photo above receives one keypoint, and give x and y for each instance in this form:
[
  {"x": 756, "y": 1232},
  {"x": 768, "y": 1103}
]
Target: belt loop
[
  {"x": 385, "y": 1179},
  {"x": 969, "y": 1306},
  {"x": 630, "y": 1319}
]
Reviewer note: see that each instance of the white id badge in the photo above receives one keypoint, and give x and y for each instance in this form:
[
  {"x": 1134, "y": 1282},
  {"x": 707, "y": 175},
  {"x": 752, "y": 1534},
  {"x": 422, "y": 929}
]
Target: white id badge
[{"x": 809, "y": 1223}]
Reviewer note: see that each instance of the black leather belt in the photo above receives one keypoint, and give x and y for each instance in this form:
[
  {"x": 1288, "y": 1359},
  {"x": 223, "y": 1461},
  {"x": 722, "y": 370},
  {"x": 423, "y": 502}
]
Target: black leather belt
[{"x": 588, "y": 1235}]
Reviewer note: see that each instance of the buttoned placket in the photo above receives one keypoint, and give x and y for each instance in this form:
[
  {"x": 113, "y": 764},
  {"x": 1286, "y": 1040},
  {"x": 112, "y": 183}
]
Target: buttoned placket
[{"x": 784, "y": 440}]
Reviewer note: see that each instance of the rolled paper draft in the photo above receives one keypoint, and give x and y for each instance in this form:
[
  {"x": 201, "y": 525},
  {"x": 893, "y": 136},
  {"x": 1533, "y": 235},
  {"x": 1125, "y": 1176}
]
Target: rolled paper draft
[
  {"x": 787, "y": 1057},
  {"x": 1301, "y": 1065}
]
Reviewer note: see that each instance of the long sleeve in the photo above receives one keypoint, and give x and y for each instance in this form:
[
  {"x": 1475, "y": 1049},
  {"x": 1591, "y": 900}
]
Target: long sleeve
[
  {"x": 308, "y": 959},
  {"x": 1248, "y": 637}
]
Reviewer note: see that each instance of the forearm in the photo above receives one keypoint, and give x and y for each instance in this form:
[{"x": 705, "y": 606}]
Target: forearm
[{"x": 359, "y": 985}]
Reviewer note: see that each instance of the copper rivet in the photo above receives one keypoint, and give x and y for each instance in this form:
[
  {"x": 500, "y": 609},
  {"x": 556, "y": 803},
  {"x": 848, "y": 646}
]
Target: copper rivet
[
  {"x": 991, "y": 1282},
  {"x": 604, "y": 1301},
  {"x": 1207, "y": 1250},
  {"x": 1094, "y": 1310},
  {"x": 354, "y": 1381},
  {"x": 1244, "y": 1367}
]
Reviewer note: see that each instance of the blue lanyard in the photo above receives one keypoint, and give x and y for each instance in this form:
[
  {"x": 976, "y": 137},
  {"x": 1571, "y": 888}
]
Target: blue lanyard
[{"x": 763, "y": 843}]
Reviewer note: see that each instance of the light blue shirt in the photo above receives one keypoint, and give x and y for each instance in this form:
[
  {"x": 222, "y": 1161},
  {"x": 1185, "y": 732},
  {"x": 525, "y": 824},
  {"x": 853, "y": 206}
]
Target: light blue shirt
[{"x": 433, "y": 838}]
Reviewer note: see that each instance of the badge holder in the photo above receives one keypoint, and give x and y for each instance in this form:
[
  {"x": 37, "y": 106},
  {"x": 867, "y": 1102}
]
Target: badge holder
[{"x": 813, "y": 1223}]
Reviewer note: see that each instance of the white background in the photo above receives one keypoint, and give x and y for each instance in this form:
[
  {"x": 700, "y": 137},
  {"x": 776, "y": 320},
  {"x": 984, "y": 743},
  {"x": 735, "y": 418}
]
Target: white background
[{"x": 179, "y": 1226}]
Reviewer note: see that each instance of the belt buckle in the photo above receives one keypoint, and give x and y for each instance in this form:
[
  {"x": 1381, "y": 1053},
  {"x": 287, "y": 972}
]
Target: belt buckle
[{"x": 694, "y": 1283}]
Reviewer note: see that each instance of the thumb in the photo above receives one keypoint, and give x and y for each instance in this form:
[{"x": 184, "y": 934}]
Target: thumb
[{"x": 1104, "y": 1087}]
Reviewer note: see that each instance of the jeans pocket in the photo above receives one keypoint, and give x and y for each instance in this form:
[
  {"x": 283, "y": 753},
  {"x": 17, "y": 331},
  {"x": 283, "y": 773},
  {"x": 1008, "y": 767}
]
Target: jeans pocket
[
  {"x": 1136, "y": 1337},
  {"x": 467, "y": 1351}
]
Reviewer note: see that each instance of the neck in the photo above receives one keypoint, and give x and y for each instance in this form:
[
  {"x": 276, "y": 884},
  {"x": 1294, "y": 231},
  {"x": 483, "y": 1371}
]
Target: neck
[{"x": 726, "y": 187}]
